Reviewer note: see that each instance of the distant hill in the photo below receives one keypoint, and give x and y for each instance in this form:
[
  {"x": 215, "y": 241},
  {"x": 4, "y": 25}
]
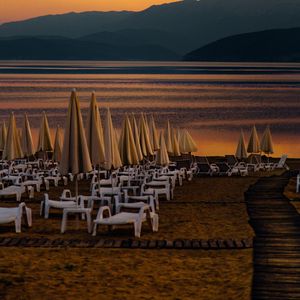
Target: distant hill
[
  {"x": 278, "y": 45},
  {"x": 134, "y": 37},
  {"x": 180, "y": 26},
  {"x": 70, "y": 25},
  {"x": 58, "y": 48}
]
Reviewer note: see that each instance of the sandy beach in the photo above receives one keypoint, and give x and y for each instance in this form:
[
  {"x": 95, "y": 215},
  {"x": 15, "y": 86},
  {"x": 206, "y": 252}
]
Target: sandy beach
[{"x": 206, "y": 208}]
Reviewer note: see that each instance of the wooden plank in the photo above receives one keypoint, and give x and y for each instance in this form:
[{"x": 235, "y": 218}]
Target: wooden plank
[{"x": 276, "y": 255}]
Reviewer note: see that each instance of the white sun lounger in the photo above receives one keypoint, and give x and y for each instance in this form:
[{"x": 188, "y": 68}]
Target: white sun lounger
[
  {"x": 124, "y": 218},
  {"x": 47, "y": 204},
  {"x": 14, "y": 190},
  {"x": 282, "y": 163},
  {"x": 14, "y": 214}
]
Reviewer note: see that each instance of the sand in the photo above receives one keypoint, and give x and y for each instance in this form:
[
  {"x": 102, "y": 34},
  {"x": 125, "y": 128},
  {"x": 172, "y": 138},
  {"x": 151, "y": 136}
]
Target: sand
[
  {"x": 204, "y": 208},
  {"x": 120, "y": 274}
]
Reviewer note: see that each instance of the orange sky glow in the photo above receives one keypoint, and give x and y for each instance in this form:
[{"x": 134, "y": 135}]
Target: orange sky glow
[{"x": 11, "y": 10}]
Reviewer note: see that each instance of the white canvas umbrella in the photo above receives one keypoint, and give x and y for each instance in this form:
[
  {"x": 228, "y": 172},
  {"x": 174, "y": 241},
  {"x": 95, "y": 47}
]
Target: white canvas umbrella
[
  {"x": 266, "y": 144},
  {"x": 12, "y": 149},
  {"x": 3, "y": 135},
  {"x": 175, "y": 143},
  {"x": 75, "y": 154},
  {"x": 168, "y": 139},
  {"x": 145, "y": 138},
  {"x": 253, "y": 144},
  {"x": 127, "y": 147},
  {"x": 153, "y": 134},
  {"x": 136, "y": 137},
  {"x": 57, "y": 152},
  {"x": 162, "y": 157},
  {"x": 44, "y": 141},
  {"x": 241, "y": 151},
  {"x": 179, "y": 138},
  {"x": 112, "y": 154},
  {"x": 188, "y": 144},
  {"x": 27, "y": 141},
  {"x": 94, "y": 135}
]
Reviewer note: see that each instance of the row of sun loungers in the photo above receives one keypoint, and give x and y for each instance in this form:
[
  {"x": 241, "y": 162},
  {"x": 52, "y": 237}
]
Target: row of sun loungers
[
  {"x": 234, "y": 167},
  {"x": 136, "y": 189},
  {"x": 133, "y": 189}
]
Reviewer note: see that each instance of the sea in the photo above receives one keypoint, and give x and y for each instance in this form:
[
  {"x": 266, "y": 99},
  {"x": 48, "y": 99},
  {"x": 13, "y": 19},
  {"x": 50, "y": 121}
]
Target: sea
[{"x": 213, "y": 100}]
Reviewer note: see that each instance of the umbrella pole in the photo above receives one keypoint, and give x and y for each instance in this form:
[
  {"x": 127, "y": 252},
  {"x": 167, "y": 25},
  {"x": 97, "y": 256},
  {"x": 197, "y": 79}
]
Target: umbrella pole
[
  {"x": 99, "y": 179},
  {"x": 76, "y": 188},
  {"x": 76, "y": 197}
]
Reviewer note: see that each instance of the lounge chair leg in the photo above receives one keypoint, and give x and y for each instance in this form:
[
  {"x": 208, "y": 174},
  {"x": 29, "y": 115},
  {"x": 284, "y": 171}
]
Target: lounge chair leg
[
  {"x": 89, "y": 223},
  {"x": 28, "y": 216},
  {"x": 95, "y": 229},
  {"x": 137, "y": 229},
  {"x": 46, "y": 211},
  {"x": 63, "y": 223},
  {"x": 18, "y": 224}
]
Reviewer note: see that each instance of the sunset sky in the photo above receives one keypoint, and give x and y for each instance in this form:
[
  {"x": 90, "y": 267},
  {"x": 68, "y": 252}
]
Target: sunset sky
[{"x": 11, "y": 10}]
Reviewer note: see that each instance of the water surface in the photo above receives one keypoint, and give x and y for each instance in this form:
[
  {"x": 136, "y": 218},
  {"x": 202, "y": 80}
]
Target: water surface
[{"x": 213, "y": 100}]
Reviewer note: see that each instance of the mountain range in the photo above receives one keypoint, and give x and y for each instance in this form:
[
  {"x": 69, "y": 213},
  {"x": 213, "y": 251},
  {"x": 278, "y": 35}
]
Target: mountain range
[
  {"x": 277, "y": 45},
  {"x": 85, "y": 48},
  {"x": 165, "y": 31}
]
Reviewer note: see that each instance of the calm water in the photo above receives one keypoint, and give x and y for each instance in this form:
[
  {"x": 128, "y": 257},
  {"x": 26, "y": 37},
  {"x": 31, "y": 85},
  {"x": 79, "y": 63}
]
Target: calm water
[{"x": 213, "y": 100}]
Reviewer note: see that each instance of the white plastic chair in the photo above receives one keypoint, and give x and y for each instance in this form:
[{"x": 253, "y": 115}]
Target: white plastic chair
[
  {"x": 14, "y": 214},
  {"x": 157, "y": 188},
  {"x": 282, "y": 163},
  {"x": 47, "y": 204},
  {"x": 14, "y": 190},
  {"x": 124, "y": 218}
]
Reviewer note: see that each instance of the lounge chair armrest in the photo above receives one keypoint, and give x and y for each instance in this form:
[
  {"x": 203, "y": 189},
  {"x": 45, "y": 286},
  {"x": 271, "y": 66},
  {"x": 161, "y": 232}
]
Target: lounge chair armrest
[
  {"x": 142, "y": 210},
  {"x": 101, "y": 211}
]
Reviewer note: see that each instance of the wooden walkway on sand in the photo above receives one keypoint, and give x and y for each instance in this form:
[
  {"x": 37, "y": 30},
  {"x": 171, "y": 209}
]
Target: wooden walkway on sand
[{"x": 276, "y": 247}]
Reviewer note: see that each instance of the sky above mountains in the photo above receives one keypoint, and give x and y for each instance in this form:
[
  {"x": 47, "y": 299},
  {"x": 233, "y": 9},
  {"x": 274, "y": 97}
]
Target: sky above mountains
[{"x": 12, "y": 10}]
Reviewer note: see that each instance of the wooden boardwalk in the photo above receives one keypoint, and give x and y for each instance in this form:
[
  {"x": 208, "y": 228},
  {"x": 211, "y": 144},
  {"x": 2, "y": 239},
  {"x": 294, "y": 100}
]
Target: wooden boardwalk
[{"x": 276, "y": 253}]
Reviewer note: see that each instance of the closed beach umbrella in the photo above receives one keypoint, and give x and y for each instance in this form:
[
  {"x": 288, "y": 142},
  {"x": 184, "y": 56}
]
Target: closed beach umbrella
[
  {"x": 44, "y": 142},
  {"x": 146, "y": 123},
  {"x": 94, "y": 135},
  {"x": 162, "y": 157},
  {"x": 136, "y": 137},
  {"x": 75, "y": 154},
  {"x": 145, "y": 138},
  {"x": 187, "y": 143},
  {"x": 57, "y": 145},
  {"x": 127, "y": 146},
  {"x": 241, "y": 151},
  {"x": 253, "y": 145},
  {"x": 153, "y": 134},
  {"x": 20, "y": 135},
  {"x": 27, "y": 141},
  {"x": 175, "y": 144},
  {"x": 179, "y": 138},
  {"x": 12, "y": 149},
  {"x": 3, "y": 134},
  {"x": 168, "y": 139},
  {"x": 112, "y": 154},
  {"x": 266, "y": 144}
]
